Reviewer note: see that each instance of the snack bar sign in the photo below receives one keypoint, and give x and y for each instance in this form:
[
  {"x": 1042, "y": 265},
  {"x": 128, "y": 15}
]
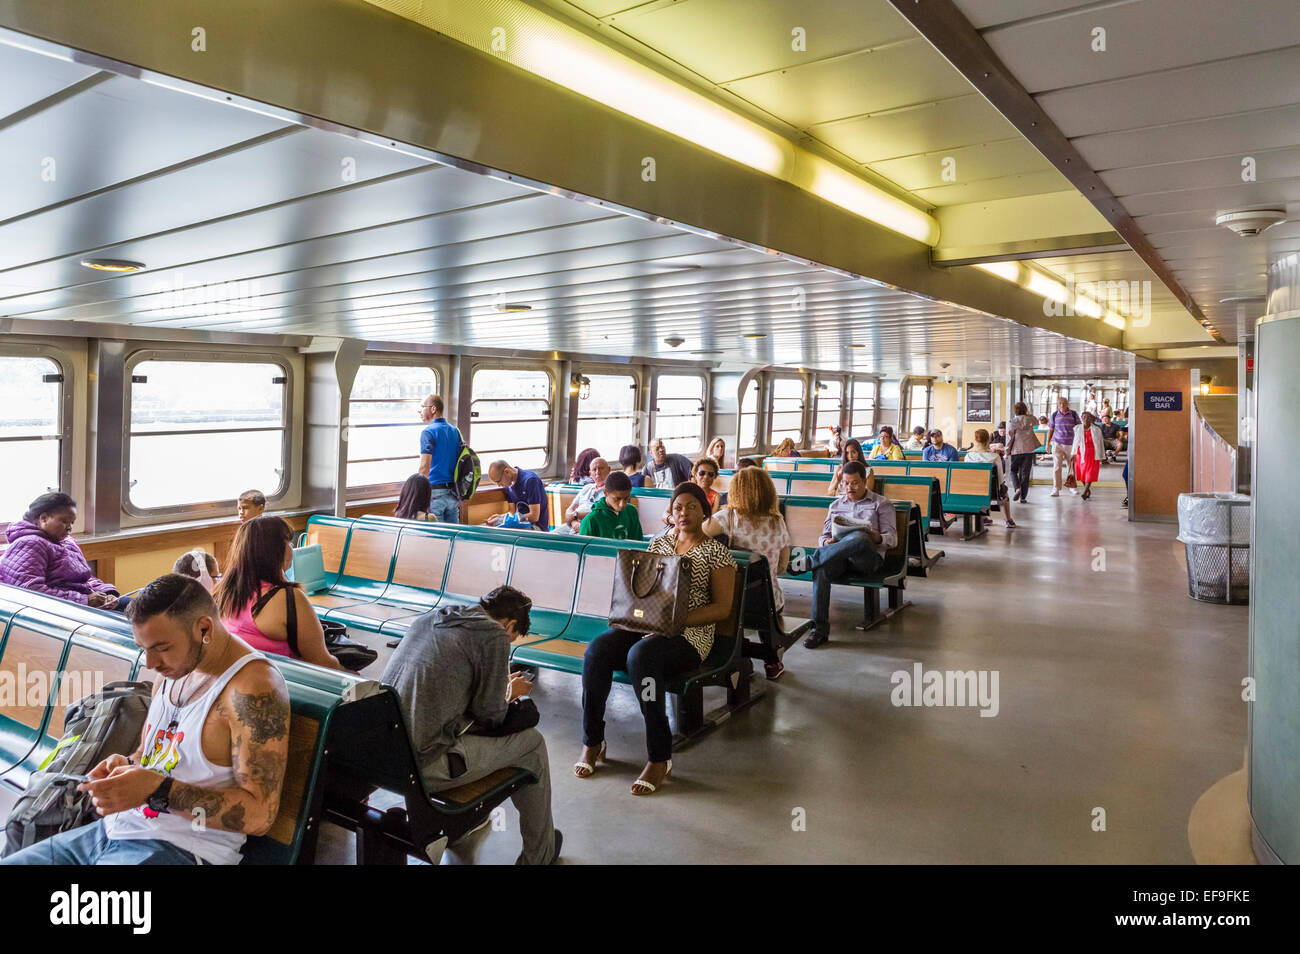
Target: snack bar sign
[{"x": 1162, "y": 400}]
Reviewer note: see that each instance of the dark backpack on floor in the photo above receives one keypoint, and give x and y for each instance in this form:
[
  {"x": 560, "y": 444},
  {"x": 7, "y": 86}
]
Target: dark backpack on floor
[{"x": 104, "y": 723}]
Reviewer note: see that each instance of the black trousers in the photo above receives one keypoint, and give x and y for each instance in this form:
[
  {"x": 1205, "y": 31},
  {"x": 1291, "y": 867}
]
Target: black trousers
[
  {"x": 649, "y": 661},
  {"x": 1022, "y": 468}
]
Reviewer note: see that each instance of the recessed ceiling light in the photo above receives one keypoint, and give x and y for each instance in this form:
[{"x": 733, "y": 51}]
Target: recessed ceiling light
[
  {"x": 112, "y": 264},
  {"x": 708, "y": 351},
  {"x": 755, "y": 335},
  {"x": 855, "y": 346},
  {"x": 511, "y": 307}
]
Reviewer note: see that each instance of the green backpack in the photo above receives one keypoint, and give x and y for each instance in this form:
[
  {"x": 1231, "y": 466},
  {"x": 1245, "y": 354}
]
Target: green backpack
[{"x": 467, "y": 473}]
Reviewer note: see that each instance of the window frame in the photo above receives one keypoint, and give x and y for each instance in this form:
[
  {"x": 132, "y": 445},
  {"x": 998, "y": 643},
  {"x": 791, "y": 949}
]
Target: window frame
[
  {"x": 393, "y": 488},
  {"x": 854, "y": 382},
  {"x": 771, "y": 408},
  {"x": 906, "y": 413},
  {"x": 204, "y": 508},
  {"x": 756, "y": 447},
  {"x": 670, "y": 372},
  {"x": 65, "y": 403},
  {"x": 611, "y": 371},
  {"x": 817, "y": 401},
  {"x": 551, "y": 415}
]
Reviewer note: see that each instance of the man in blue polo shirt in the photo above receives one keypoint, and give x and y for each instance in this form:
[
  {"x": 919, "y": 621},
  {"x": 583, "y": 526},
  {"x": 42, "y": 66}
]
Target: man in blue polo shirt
[
  {"x": 439, "y": 450},
  {"x": 520, "y": 486},
  {"x": 937, "y": 449}
]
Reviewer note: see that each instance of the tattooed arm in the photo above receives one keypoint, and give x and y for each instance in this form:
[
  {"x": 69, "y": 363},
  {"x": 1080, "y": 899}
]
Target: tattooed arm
[{"x": 255, "y": 706}]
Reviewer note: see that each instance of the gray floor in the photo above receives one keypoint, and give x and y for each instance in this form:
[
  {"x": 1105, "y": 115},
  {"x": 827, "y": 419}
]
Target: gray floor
[{"x": 1117, "y": 692}]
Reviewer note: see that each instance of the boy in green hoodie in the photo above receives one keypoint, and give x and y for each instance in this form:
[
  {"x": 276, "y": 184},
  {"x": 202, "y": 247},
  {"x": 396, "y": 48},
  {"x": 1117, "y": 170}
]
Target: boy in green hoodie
[{"x": 611, "y": 517}]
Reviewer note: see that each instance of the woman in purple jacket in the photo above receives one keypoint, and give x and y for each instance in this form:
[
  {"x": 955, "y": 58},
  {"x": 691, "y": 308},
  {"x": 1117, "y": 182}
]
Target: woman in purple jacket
[{"x": 42, "y": 556}]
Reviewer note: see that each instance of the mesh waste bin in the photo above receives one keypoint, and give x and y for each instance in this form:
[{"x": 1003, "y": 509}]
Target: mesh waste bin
[{"x": 1215, "y": 529}]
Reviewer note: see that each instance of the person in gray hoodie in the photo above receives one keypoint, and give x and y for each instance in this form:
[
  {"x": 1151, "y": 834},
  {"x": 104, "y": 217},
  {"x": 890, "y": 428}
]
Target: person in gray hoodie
[{"x": 451, "y": 676}]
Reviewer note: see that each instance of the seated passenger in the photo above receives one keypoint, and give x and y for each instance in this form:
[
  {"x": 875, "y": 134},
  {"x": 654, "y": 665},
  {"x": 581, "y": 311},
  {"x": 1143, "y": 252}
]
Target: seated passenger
[
  {"x": 937, "y": 449},
  {"x": 887, "y": 448},
  {"x": 651, "y": 660},
  {"x": 786, "y": 449},
  {"x": 746, "y": 462},
  {"x": 586, "y": 498},
  {"x": 198, "y": 565},
  {"x": 1112, "y": 437},
  {"x": 752, "y": 521},
  {"x": 717, "y": 452},
  {"x": 520, "y": 486},
  {"x": 211, "y": 762},
  {"x": 998, "y": 439},
  {"x": 704, "y": 474},
  {"x": 413, "y": 502},
  {"x": 917, "y": 440},
  {"x": 259, "y": 605},
  {"x": 666, "y": 470},
  {"x": 859, "y": 530},
  {"x": 982, "y": 453},
  {"x": 610, "y": 516},
  {"x": 451, "y": 676},
  {"x": 629, "y": 458},
  {"x": 43, "y": 557},
  {"x": 251, "y": 504},
  {"x": 581, "y": 473},
  {"x": 852, "y": 451}
]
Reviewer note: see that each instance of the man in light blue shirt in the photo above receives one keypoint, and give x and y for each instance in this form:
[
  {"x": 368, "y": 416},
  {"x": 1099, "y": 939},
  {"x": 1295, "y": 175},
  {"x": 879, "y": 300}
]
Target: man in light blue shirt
[
  {"x": 937, "y": 449},
  {"x": 440, "y": 445},
  {"x": 860, "y": 528}
]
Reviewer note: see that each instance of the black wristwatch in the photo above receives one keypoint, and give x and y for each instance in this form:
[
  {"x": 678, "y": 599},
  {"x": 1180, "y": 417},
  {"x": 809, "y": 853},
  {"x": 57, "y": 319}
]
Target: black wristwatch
[{"x": 158, "y": 800}]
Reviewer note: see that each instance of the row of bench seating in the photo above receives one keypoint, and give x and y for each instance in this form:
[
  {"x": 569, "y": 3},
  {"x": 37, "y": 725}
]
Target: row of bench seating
[
  {"x": 347, "y": 737},
  {"x": 381, "y": 573}
]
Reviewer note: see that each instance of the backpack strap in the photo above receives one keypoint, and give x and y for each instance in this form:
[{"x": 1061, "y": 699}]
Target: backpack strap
[{"x": 290, "y": 614}]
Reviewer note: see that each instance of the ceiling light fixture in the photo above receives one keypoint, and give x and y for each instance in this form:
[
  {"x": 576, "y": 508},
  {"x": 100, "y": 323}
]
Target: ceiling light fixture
[
  {"x": 112, "y": 264},
  {"x": 512, "y": 307},
  {"x": 549, "y": 48},
  {"x": 754, "y": 336}
]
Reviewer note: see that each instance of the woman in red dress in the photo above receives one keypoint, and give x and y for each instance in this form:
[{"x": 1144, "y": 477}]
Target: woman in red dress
[{"x": 1087, "y": 452}]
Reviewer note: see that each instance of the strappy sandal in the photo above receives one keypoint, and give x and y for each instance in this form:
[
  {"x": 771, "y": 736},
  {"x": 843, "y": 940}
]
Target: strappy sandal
[
  {"x": 642, "y": 787},
  {"x": 587, "y": 769}
]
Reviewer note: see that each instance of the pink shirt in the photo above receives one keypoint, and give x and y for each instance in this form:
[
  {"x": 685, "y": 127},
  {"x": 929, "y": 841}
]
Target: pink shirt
[{"x": 246, "y": 628}]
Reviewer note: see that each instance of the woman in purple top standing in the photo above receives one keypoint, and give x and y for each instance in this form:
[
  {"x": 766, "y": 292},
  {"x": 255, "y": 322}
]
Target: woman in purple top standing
[{"x": 43, "y": 557}]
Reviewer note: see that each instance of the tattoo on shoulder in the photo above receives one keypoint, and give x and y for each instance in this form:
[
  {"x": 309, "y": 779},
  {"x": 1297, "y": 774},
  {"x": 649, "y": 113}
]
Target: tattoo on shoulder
[{"x": 265, "y": 713}]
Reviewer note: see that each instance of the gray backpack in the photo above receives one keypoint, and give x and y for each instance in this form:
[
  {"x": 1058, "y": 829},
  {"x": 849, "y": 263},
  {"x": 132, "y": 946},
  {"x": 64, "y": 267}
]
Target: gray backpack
[{"x": 102, "y": 724}]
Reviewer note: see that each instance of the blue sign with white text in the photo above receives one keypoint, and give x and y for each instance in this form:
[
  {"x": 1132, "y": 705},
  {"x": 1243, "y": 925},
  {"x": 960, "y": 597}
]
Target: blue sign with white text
[{"x": 1162, "y": 400}]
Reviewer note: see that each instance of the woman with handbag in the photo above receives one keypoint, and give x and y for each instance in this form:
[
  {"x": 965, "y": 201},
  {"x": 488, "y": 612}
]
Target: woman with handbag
[
  {"x": 1021, "y": 449},
  {"x": 250, "y": 601},
  {"x": 706, "y": 571}
]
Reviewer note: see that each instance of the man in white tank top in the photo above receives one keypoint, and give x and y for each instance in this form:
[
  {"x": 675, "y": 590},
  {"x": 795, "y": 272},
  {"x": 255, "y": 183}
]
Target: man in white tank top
[{"x": 211, "y": 762}]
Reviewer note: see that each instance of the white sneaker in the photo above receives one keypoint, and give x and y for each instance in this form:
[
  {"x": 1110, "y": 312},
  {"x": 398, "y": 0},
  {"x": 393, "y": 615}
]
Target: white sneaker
[
  {"x": 1054, "y": 493},
  {"x": 1073, "y": 491}
]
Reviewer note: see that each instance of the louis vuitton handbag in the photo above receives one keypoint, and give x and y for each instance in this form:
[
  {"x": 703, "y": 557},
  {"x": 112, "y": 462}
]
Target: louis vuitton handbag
[{"x": 651, "y": 593}]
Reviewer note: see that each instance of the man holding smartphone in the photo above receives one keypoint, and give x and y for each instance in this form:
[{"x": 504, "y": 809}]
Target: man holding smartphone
[{"x": 468, "y": 717}]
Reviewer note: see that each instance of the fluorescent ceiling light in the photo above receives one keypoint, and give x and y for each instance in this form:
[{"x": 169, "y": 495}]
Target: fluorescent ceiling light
[
  {"x": 112, "y": 264},
  {"x": 1035, "y": 279},
  {"x": 547, "y": 47}
]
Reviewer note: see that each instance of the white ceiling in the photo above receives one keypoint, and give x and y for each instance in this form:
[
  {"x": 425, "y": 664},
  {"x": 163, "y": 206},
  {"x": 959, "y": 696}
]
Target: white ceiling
[
  {"x": 251, "y": 223},
  {"x": 1185, "y": 90}
]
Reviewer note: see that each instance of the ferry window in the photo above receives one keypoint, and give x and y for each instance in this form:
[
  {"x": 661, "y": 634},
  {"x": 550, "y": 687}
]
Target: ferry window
[
  {"x": 383, "y": 427},
  {"x": 511, "y": 411},
  {"x": 918, "y": 406},
  {"x": 863, "y": 420},
  {"x": 786, "y": 418},
  {"x": 749, "y": 417},
  {"x": 31, "y": 438},
  {"x": 607, "y": 414},
  {"x": 205, "y": 431},
  {"x": 679, "y": 413},
  {"x": 830, "y": 402}
]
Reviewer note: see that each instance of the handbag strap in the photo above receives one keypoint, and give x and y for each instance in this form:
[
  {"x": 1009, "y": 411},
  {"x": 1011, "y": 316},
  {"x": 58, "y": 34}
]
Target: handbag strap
[
  {"x": 290, "y": 614},
  {"x": 654, "y": 580}
]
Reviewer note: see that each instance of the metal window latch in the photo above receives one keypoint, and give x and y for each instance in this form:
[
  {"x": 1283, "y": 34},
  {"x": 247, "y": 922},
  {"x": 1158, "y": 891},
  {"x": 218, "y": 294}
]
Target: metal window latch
[
  {"x": 51, "y": 379},
  {"x": 139, "y": 379}
]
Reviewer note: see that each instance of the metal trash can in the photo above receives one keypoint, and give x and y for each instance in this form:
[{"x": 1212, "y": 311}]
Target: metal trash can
[{"x": 1215, "y": 529}]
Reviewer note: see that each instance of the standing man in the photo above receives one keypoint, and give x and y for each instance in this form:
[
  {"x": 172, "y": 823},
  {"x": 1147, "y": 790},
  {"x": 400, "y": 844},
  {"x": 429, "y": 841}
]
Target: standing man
[
  {"x": 520, "y": 486},
  {"x": 440, "y": 445},
  {"x": 860, "y": 528},
  {"x": 1061, "y": 427},
  {"x": 666, "y": 470}
]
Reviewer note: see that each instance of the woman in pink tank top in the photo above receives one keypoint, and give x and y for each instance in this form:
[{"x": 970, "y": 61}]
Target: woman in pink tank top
[{"x": 254, "y": 597}]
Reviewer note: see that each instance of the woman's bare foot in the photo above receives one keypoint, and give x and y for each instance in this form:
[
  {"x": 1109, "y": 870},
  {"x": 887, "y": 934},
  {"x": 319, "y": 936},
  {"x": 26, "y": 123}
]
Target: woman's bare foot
[
  {"x": 652, "y": 776},
  {"x": 585, "y": 767}
]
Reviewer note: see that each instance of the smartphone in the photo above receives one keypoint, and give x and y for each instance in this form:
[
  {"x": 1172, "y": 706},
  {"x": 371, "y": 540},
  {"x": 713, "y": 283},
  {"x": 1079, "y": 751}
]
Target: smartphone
[{"x": 78, "y": 779}]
